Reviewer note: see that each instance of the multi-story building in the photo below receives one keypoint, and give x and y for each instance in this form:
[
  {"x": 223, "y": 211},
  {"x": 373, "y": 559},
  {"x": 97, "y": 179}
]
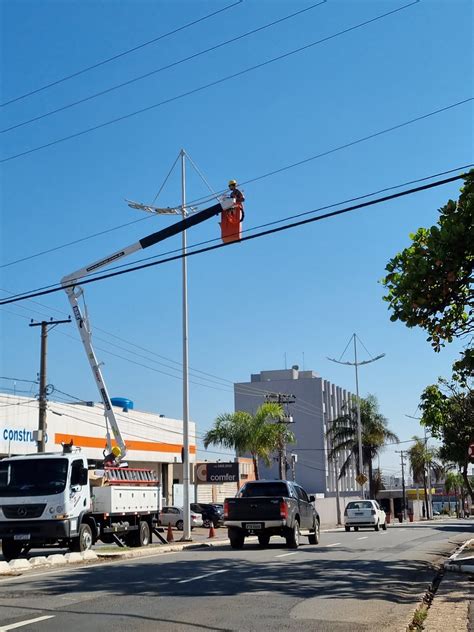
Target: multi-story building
[{"x": 316, "y": 403}]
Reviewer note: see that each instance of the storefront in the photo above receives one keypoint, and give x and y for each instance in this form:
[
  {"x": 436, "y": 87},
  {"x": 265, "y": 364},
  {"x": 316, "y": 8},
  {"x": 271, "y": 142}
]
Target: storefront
[{"x": 153, "y": 441}]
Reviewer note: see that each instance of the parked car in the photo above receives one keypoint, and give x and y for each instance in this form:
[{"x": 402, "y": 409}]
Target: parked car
[
  {"x": 212, "y": 513},
  {"x": 175, "y": 517},
  {"x": 266, "y": 508},
  {"x": 364, "y": 513}
]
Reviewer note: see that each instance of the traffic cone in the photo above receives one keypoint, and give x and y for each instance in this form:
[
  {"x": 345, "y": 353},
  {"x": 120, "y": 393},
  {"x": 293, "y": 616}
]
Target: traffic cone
[
  {"x": 212, "y": 533},
  {"x": 169, "y": 535}
]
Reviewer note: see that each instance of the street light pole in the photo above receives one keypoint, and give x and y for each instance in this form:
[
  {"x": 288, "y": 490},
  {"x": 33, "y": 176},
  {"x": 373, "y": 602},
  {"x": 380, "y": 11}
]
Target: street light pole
[
  {"x": 356, "y": 364},
  {"x": 186, "y": 509}
]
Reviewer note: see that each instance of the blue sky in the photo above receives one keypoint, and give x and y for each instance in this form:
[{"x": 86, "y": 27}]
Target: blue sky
[{"x": 303, "y": 291}]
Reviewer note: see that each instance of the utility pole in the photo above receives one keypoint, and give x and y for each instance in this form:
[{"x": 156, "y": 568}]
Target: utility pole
[
  {"x": 294, "y": 460},
  {"x": 336, "y": 479},
  {"x": 283, "y": 399},
  {"x": 404, "y": 502},
  {"x": 361, "y": 478},
  {"x": 42, "y": 379}
]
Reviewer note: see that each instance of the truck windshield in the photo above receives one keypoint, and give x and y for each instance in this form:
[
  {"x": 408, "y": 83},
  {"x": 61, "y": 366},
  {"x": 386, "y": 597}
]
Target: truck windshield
[
  {"x": 263, "y": 489},
  {"x": 33, "y": 477}
]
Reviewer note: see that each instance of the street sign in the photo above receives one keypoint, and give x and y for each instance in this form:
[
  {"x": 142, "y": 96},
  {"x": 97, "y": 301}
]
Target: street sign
[
  {"x": 217, "y": 473},
  {"x": 361, "y": 479}
]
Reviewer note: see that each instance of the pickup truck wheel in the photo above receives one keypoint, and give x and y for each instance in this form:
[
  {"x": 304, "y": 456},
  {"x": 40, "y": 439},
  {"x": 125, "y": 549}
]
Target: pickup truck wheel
[
  {"x": 313, "y": 538},
  {"x": 206, "y": 524},
  {"x": 11, "y": 549},
  {"x": 84, "y": 541},
  {"x": 293, "y": 537},
  {"x": 236, "y": 539},
  {"x": 263, "y": 540}
]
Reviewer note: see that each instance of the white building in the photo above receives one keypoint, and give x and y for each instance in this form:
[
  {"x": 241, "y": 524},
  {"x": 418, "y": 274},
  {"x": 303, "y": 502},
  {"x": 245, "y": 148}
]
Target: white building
[{"x": 152, "y": 440}]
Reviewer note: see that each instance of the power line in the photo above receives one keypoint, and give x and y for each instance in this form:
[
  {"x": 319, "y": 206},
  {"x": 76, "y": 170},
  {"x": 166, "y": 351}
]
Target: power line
[
  {"x": 161, "y": 69},
  {"x": 265, "y": 233},
  {"x": 204, "y": 87},
  {"x": 122, "y": 54}
]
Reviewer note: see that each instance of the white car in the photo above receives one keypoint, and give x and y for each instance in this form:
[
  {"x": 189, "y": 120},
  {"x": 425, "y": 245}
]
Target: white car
[
  {"x": 175, "y": 517},
  {"x": 364, "y": 513}
]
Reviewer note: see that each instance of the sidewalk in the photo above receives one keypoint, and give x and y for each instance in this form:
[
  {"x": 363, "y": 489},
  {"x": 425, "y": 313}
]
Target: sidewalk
[
  {"x": 452, "y": 607},
  {"x": 451, "y": 604}
]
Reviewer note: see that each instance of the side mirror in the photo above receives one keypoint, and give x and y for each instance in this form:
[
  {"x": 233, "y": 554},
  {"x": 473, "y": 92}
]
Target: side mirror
[{"x": 312, "y": 499}]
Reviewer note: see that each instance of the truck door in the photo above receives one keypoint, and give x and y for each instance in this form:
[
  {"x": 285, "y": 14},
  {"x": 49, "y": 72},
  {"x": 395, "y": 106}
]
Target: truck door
[{"x": 306, "y": 508}]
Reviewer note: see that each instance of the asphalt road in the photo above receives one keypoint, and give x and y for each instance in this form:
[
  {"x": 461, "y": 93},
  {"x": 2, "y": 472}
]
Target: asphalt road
[{"x": 350, "y": 582}]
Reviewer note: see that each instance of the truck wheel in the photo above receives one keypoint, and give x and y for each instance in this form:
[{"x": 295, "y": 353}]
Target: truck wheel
[
  {"x": 180, "y": 525},
  {"x": 347, "y": 528},
  {"x": 293, "y": 537},
  {"x": 142, "y": 536},
  {"x": 236, "y": 539},
  {"x": 11, "y": 549},
  {"x": 84, "y": 541},
  {"x": 263, "y": 540},
  {"x": 313, "y": 538}
]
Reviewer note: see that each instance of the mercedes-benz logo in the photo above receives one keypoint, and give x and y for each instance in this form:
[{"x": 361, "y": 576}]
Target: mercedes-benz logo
[{"x": 21, "y": 512}]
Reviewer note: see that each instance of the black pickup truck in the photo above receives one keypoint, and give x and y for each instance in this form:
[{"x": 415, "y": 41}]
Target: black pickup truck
[{"x": 266, "y": 508}]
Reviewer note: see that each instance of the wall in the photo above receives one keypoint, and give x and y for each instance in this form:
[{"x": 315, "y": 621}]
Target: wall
[
  {"x": 149, "y": 437},
  {"x": 327, "y": 509}
]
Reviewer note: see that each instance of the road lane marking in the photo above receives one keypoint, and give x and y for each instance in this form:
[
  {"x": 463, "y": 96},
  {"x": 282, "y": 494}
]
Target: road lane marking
[
  {"x": 285, "y": 554},
  {"x": 13, "y": 626},
  {"x": 185, "y": 581},
  {"x": 335, "y": 544},
  {"x": 364, "y": 537}
]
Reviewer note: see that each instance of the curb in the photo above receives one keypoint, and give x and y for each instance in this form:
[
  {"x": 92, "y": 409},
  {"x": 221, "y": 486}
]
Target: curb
[
  {"x": 20, "y": 565},
  {"x": 452, "y": 565}
]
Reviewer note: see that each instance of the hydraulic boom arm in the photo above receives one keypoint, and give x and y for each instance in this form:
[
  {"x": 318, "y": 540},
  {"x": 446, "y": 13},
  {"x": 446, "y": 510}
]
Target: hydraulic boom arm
[{"x": 74, "y": 292}]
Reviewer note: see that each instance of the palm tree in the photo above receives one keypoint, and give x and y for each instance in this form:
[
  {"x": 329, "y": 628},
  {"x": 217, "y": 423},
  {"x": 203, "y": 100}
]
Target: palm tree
[
  {"x": 259, "y": 434},
  {"x": 421, "y": 458},
  {"x": 343, "y": 436}
]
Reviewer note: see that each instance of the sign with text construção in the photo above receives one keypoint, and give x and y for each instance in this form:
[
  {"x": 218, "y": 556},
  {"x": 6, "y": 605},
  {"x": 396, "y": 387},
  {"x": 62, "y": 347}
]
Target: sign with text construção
[{"x": 217, "y": 473}]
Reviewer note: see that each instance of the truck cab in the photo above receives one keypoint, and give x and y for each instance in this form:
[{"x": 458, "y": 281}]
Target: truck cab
[{"x": 42, "y": 500}]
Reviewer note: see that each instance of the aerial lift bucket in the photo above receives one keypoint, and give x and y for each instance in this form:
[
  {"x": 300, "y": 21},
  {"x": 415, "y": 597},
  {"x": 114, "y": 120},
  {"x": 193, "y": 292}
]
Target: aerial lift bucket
[{"x": 231, "y": 224}]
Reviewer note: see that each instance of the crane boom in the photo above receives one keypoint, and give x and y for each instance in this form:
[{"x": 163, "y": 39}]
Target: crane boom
[{"x": 74, "y": 292}]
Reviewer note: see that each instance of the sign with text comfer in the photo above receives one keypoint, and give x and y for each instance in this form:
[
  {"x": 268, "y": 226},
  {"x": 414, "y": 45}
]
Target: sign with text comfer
[{"x": 217, "y": 473}]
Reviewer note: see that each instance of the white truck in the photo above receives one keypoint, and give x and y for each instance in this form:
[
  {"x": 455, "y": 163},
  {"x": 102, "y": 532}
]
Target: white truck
[
  {"x": 53, "y": 499},
  {"x": 49, "y": 499}
]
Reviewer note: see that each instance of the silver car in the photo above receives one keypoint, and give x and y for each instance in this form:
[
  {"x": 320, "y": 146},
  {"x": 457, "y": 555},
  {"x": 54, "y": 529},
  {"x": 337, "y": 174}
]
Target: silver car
[
  {"x": 174, "y": 516},
  {"x": 364, "y": 513}
]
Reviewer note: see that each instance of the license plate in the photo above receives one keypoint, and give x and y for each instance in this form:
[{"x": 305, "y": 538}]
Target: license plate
[
  {"x": 359, "y": 513},
  {"x": 22, "y": 536},
  {"x": 253, "y": 525}
]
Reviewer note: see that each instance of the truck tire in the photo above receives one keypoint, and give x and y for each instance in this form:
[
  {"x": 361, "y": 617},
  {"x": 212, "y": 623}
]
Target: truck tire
[
  {"x": 180, "y": 525},
  {"x": 377, "y": 527},
  {"x": 263, "y": 540},
  {"x": 293, "y": 537},
  {"x": 84, "y": 541},
  {"x": 236, "y": 539},
  {"x": 313, "y": 538},
  {"x": 141, "y": 537},
  {"x": 11, "y": 549}
]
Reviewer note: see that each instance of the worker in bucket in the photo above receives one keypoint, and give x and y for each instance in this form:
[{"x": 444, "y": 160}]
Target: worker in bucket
[
  {"x": 238, "y": 197},
  {"x": 113, "y": 459}
]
